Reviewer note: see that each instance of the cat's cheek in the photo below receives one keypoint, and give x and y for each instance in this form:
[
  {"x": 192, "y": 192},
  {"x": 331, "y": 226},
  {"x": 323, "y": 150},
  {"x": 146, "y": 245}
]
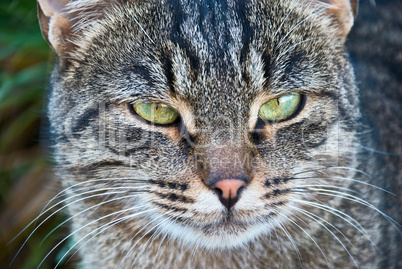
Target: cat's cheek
[{"x": 251, "y": 198}]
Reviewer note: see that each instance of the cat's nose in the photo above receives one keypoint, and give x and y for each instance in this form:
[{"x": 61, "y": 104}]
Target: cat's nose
[{"x": 228, "y": 191}]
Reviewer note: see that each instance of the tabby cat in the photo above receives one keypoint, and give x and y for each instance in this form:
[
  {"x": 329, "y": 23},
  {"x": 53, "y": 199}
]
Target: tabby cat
[{"x": 212, "y": 134}]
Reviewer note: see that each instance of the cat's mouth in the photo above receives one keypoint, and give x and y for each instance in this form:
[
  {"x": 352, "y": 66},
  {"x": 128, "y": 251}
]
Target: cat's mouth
[
  {"x": 228, "y": 225},
  {"x": 227, "y": 233}
]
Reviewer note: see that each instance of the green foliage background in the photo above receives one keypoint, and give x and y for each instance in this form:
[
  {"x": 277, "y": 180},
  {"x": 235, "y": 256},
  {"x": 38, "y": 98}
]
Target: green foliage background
[{"x": 25, "y": 184}]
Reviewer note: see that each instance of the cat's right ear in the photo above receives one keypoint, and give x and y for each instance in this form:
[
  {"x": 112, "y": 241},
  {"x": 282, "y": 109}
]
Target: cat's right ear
[{"x": 56, "y": 25}]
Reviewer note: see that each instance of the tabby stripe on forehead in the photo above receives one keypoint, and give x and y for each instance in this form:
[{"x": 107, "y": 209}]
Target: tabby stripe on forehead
[
  {"x": 293, "y": 66},
  {"x": 168, "y": 71},
  {"x": 266, "y": 58},
  {"x": 180, "y": 39},
  {"x": 247, "y": 34}
]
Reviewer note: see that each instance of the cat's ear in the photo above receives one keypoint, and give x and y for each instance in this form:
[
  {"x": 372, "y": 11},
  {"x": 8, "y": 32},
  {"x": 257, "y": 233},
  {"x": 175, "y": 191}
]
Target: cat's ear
[
  {"x": 344, "y": 12},
  {"x": 56, "y": 24}
]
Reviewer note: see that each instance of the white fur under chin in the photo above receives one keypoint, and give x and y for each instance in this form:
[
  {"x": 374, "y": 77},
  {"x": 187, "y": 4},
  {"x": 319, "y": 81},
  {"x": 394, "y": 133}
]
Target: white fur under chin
[{"x": 221, "y": 241}]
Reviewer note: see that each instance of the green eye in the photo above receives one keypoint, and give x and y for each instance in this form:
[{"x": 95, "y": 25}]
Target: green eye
[
  {"x": 156, "y": 112},
  {"x": 280, "y": 108}
]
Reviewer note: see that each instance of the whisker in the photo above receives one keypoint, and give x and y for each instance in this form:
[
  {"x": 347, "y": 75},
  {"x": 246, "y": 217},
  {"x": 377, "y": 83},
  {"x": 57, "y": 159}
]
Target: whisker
[
  {"x": 335, "y": 167},
  {"x": 365, "y": 183},
  {"x": 87, "y": 209},
  {"x": 327, "y": 186},
  {"x": 116, "y": 220},
  {"x": 43, "y": 212},
  {"x": 297, "y": 25},
  {"x": 158, "y": 232},
  {"x": 54, "y": 213},
  {"x": 146, "y": 243},
  {"x": 283, "y": 21},
  {"x": 377, "y": 151},
  {"x": 104, "y": 227},
  {"x": 171, "y": 218},
  {"x": 344, "y": 178},
  {"x": 280, "y": 225},
  {"x": 353, "y": 222},
  {"x": 143, "y": 30},
  {"x": 304, "y": 231},
  {"x": 315, "y": 217},
  {"x": 143, "y": 228},
  {"x": 360, "y": 201},
  {"x": 92, "y": 222},
  {"x": 58, "y": 195}
]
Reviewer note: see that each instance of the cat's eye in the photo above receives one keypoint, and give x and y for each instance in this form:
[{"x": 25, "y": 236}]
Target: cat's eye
[
  {"x": 158, "y": 113},
  {"x": 280, "y": 108}
]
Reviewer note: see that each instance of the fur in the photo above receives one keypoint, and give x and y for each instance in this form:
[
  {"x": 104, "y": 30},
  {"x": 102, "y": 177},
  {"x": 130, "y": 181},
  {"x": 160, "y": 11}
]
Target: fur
[{"x": 140, "y": 194}]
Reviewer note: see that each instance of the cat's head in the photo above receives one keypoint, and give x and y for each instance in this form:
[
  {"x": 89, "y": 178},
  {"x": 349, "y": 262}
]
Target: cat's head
[{"x": 206, "y": 120}]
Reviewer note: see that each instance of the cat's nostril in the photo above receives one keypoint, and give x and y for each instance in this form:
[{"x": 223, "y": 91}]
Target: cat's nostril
[
  {"x": 228, "y": 191},
  {"x": 228, "y": 187},
  {"x": 218, "y": 191}
]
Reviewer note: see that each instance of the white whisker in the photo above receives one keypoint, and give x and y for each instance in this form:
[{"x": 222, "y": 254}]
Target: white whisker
[
  {"x": 143, "y": 30},
  {"x": 291, "y": 48},
  {"x": 357, "y": 200},
  {"x": 347, "y": 179},
  {"x": 58, "y": 210},
  {"x": 307, "y": 186},
  {"x": 143, "y": 228},
  {"x": 280, "y": 225},
  {"x": 283, "y": 21},
  {"x": 304, "y": 231},
  {"x": 89, "y": 208},
  {"x": 354, "y": 223},
  {"x": 297, "y": 25},
  {"x": 92, "y": 222},
  {"x": 315, "y": 217},
  {"x": 60, "y": 194}
]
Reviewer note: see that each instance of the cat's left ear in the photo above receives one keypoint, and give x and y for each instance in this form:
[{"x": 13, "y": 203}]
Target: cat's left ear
[
  {"x": 56, "y": 24},
  {"x": 344, "y": 12}
]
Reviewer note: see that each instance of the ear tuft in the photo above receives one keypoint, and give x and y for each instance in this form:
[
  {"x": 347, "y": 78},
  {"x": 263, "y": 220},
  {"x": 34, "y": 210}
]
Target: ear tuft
[
  {"x": 344, "y": 12},
  {"x": 55, "y": 24}
]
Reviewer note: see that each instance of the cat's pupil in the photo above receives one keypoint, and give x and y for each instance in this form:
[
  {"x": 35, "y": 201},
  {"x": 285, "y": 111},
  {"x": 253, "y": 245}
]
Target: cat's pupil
[
  {"x": 281, "y": 108},
  {"x": 156, "y": 112}
]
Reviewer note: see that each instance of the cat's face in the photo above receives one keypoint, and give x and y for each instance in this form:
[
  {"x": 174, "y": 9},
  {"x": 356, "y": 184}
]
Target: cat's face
[{"x": 228, "y": 169}]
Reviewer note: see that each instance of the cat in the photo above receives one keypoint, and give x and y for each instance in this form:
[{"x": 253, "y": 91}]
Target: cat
[{"x": 213, "y": 134}]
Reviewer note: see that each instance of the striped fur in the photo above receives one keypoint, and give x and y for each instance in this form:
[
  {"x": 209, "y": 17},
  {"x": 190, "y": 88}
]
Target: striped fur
[{"x": 140, "y": 195}]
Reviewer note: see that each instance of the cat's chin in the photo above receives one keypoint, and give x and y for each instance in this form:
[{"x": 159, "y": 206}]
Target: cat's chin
[{"x": 217, "y": 236}]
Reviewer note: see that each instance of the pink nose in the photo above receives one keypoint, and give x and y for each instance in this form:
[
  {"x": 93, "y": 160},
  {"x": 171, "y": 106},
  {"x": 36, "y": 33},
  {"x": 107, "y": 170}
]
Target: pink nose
[{"x": 228, "y": 191}]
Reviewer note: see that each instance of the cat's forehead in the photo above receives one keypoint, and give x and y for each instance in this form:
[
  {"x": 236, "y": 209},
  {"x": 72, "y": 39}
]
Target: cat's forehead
[
  {"x": 207, "y": 50},
  {"x": 224, "y": 43},
  {"x": 215, "y": 47},
  {"x": 204, "y": 46}
]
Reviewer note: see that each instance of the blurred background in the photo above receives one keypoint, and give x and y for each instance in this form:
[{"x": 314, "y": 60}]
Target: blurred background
[{"x": 25, "y": 185}]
